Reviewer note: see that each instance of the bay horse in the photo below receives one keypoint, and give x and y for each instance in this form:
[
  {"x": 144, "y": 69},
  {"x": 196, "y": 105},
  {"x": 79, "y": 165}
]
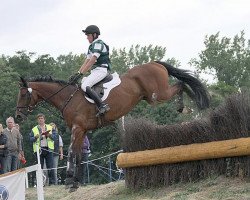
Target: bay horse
[{"x": 148, "y": 82}]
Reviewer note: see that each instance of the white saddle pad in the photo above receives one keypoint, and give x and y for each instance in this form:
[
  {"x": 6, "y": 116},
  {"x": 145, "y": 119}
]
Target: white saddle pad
[{"x": 108, "y": 86}]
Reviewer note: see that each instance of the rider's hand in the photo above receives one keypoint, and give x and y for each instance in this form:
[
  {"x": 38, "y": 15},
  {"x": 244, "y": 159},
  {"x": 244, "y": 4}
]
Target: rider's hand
[{"x": 75, "y": 77}]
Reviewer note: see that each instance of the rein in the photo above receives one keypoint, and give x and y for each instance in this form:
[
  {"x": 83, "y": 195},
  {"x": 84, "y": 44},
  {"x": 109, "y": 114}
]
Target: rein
[{"x": 66, "y": 102}]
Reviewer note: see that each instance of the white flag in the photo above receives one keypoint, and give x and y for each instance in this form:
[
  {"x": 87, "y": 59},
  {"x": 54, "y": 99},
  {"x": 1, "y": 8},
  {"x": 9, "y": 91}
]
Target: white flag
[{"x": 12, "y": 185}]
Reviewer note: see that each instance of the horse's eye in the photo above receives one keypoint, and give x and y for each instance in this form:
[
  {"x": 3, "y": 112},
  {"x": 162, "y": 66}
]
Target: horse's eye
[{"x": 23, "y": 91}]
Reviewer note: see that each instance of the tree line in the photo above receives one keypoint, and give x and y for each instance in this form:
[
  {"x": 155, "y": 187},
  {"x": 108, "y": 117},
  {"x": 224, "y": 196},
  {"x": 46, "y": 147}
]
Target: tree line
[{"x": 228, "y": 59}]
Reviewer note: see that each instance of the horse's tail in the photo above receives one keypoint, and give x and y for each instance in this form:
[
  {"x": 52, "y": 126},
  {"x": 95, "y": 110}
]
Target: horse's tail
[{"x": 196, "y": 89}]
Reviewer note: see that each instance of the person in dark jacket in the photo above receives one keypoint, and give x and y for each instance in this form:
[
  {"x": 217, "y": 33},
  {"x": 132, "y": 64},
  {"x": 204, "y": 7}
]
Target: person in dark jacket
[
  {"x": 58, "y": 150},
  {"x": 3, "y": 151},
  {"x": 22, "y": 159}
]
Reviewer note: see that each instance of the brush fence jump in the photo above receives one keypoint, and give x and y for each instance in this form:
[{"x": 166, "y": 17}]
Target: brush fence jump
[{"x": 183, "y": 153}]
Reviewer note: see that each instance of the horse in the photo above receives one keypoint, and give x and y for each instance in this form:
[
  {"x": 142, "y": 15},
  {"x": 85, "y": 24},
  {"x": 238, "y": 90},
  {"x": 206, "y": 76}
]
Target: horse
[{"x": 148, "y": 82}]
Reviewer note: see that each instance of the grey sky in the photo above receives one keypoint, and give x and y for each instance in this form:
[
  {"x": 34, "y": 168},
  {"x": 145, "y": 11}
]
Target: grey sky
[{"x": 54, "y": 26}]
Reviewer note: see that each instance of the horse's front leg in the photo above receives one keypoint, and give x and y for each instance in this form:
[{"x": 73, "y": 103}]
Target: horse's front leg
[
  {"x": 77, "y": 173},
  {"x": 73, "y": 173},
  {"x": 70, "y": 168}
]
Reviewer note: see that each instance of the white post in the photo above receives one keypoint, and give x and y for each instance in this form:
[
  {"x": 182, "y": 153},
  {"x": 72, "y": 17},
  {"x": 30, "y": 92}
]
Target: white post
[
  {"x": 39, "y": 177},
  {"x": 26, "y": 180},
  {"x": 38, "y": 155},
  {"x": 123, "y": 123}
]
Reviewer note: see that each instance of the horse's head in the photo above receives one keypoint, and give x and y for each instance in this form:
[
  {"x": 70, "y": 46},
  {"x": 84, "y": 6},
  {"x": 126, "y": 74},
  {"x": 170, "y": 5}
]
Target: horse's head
[{"x": 25, "y": 101}]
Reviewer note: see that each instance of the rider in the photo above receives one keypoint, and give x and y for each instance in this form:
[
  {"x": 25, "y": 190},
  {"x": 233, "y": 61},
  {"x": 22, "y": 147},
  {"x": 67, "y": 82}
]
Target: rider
[{"x": 98, "y": 61}]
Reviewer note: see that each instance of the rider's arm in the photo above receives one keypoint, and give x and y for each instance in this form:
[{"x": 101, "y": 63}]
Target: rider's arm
[{"x": 87, "y": 64}]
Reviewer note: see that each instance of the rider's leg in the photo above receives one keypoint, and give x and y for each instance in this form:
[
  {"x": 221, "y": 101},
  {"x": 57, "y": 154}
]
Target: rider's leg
[
  {"x": 96, "y": 75},
  {"x": 102, "y": 107}
]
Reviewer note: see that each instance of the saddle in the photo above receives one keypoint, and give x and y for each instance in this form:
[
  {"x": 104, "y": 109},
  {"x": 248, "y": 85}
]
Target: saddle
[
  {"x": 99, "y": 88},
  {"x": 103, "y": 87}
]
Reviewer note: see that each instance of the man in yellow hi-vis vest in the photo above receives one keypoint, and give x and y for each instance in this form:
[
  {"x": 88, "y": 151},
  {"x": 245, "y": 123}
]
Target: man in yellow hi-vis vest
[{"x": 43, "y": 138}]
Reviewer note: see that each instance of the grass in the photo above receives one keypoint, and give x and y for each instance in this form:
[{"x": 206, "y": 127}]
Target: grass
[{"x": 214, "y": 188}]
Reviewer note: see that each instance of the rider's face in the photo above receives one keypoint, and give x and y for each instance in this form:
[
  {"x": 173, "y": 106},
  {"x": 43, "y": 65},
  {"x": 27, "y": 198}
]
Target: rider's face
[{"x": 90, "y": 38}]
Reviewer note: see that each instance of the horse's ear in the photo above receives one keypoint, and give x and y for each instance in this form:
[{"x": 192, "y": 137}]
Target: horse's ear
[{"x": 23, "y": 82}]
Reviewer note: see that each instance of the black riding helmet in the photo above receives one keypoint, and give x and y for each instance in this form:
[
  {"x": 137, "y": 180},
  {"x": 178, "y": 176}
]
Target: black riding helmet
[{"x": 91, "y": 30}]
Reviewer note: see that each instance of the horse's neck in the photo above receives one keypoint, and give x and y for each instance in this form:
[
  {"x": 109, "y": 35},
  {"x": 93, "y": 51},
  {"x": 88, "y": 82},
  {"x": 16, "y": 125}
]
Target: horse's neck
[{"x": 50, "y": 92}]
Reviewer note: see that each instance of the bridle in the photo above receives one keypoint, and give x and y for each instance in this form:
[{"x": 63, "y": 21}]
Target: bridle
[{"x": 29, "y": 108}]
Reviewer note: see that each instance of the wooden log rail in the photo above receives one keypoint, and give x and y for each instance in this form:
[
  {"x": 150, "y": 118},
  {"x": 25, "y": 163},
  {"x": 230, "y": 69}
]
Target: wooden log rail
[{"x": 183, "y": 153}]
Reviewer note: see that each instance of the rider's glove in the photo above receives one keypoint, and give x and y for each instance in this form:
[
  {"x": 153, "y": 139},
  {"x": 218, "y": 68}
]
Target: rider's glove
[{"x": 73, "y": 79}]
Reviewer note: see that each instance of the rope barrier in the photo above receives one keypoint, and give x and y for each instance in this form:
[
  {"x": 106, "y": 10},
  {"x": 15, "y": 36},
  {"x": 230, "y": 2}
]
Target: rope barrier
[{"x": 85, "y": 162}]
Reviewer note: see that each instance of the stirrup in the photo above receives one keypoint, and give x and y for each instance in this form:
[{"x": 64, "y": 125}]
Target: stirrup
[{"x": 104, "y": 108}]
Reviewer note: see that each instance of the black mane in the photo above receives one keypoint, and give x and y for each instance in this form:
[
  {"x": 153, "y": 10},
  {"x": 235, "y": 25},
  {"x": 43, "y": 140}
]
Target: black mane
[{"x": 46, "y": 79}]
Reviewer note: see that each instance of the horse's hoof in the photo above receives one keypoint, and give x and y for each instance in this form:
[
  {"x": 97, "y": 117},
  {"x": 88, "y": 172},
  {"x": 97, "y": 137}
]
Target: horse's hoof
[
  {"x": 74, "y": 187},
  {"x": 68, "y": 186},
  {"x": 69, "y": 182}
]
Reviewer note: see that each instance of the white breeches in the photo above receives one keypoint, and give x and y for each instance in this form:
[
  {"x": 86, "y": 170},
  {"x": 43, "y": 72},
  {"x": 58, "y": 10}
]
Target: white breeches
[{"x": 95, "y": 76}]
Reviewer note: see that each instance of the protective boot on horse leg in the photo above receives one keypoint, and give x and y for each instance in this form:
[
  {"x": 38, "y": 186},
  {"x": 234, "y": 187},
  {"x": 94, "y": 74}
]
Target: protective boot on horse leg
[
  {"x": 73, "y": 171},
  {"x": 77, "y": 173},
  {"x": 70, "y": 168},
  {"x": 102, "y": 107}
]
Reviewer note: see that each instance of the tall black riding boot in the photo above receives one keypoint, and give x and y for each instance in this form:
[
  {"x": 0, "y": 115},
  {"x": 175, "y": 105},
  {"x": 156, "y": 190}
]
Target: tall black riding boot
[{"x": 102, "y": 107}]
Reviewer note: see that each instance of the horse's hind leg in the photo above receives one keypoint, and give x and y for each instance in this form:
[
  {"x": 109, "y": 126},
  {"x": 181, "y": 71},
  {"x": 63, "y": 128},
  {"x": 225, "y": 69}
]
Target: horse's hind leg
[
  {"x": 180, "y": 102},
  {"x": 170, "y": 92}
]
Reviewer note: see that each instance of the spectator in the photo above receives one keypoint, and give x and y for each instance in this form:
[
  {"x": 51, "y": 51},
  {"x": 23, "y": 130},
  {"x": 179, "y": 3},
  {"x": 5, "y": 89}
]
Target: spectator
[
  {"x": 85, "y": 155},
  {"x": 3, "y": 151},
  {"x": 43, "y": 138},
  {"x": 13, "y": 145},
  {"x": 58, "y": 150},
  {"x": 22, "y": 157}
]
